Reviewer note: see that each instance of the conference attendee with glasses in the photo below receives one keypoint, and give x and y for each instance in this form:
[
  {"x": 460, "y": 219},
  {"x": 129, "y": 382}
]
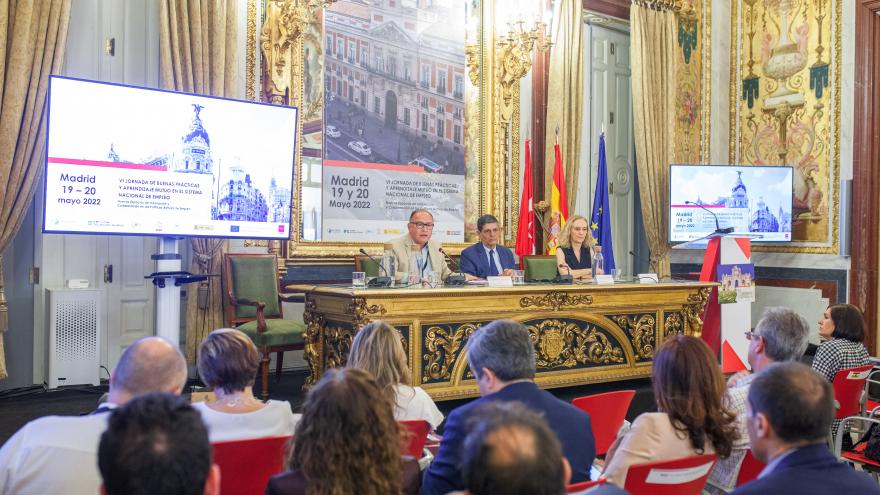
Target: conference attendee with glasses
[
  {"x": 487, "y": 257},
  {"x": 417, "y": 245}
]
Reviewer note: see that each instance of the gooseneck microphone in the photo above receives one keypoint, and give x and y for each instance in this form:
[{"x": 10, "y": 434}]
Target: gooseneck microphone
[
  {"x": 718, "y": 229},
  {"x": 454, "y": 279},
  {"x": 377, "y": 281}
]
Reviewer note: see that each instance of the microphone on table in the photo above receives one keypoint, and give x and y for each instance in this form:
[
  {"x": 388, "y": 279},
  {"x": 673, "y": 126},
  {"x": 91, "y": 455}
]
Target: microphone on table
[
  {"x": 377, "y": 281},
  {"x": 718, "y": 229},
  {"x": 453, "y": 279}
]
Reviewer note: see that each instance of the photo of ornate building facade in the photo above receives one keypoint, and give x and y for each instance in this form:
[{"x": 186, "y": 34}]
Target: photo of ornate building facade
[{"x": 394, "y": 80}]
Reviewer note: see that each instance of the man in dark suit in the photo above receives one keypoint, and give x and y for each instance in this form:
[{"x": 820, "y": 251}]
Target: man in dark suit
[
  {"x": 502, "y": 358},
  {"x": 487, "y": 257},
  {"x": 789, "y": 414}
]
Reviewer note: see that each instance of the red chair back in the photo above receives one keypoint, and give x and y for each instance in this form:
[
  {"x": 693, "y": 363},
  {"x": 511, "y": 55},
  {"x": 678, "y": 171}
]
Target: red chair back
[
  {"x": 848, "y": 386},
  {"x": 607, "y": 412},
  {"x": 417, "y": 435},
  {"x": 749, "y": 469},
  {"x": 684, "y": 476},
  {"x": 583, "y": 485},
  {"x": 247, "y": 465}
]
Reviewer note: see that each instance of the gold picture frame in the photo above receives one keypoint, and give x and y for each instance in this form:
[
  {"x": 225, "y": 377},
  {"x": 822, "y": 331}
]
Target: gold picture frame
[{"x": 489, "y": 188}]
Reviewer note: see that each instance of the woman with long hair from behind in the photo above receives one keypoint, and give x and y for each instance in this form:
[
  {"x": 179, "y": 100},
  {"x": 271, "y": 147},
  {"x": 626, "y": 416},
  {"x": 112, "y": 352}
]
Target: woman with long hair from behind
[
  {"x": 690, "y": 419},
  {"x": 346, "y": 442},
  {"x": 377, "y": 349}
]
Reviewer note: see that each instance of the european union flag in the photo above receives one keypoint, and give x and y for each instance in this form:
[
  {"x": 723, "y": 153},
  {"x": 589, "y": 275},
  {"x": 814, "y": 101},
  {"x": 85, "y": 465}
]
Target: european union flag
[{"x": 600, "y": 221}]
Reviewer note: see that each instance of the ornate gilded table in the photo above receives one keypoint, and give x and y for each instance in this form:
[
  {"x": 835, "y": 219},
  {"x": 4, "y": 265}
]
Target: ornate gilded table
[{"x": 582, "y": 333}]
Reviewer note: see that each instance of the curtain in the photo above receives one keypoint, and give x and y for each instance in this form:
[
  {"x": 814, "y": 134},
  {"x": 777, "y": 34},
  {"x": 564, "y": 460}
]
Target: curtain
[
  {"x": 565, "y": 103},
  {"x": 197, "y": 41},
  {"x": 653, "y": 86},
  {"x": 32, "y": 40}
]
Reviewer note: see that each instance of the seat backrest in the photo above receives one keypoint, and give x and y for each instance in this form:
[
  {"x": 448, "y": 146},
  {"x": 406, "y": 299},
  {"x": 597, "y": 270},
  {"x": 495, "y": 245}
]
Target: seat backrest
[
  {"x": 538, "y": 267},
  {"x": 584, "y": 485},
  {"x": 253, "y": 277},
  {"x": 607, "y": 412},
  {"x": 848, "y": 386},
  {"x": 366, "y": 265},
  {"x": 247, "y": 465},
  {"x": 683, "y": 476},
  {"x": 749, "y": 469},
  {"x": 416, "y": 437}
]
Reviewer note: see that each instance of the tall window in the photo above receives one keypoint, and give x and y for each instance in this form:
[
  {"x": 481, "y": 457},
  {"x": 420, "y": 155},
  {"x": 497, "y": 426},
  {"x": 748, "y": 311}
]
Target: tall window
[
  {"x": 392, "y": 66},
  {"x": 440, "y": 127},
  {"x": 406, "y": 116},
  {"x": 407, "y": 72},
  {"x": 351, "y": 53},
  {"x": 376, "y": 104},
  {"x": 365, "y": 57},
  {"x": 456, "y": 134},
  {"x": 380, "y": 60},
  {"x": 340, "y": 49},
  {"x": 426, "y": 76},
  {"x": 424, "y": 122},
  {"x": 458, "y": 89},
  {"x": 329, "y": 45},
  {"x": 441, "y": 82}
]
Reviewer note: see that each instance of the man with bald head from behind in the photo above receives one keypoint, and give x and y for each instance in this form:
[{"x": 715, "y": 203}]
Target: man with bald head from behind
[{"x": 58, "y": 454}]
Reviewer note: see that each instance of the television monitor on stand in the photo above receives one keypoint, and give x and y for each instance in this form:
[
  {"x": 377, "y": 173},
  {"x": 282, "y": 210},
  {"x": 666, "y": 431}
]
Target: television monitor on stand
[{"x": 125, "y": 160}]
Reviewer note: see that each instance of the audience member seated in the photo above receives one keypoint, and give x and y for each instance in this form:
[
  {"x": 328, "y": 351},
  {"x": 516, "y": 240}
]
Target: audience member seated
[
  {"x": 780, "y": 336},
  {"x": 842, "y": 330},
  {"x": 502, "y": 358},
  {"x": 228, "y": 363},
  {"x": 790, "y": 408},
  {"x": 575, "y": 253},
  {"x": 511, "y": 450},
  {"x": 691, "y": 420},
  {"x": 347, "y": 442},
  {"x": 155, "y": 444},
  {"x": 378, "y": 350},
  {"x": 58, "y": 454}
]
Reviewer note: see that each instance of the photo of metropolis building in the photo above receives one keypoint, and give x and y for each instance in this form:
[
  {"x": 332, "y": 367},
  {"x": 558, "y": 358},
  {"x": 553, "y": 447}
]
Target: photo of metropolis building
[{"x": 235, "y": 197}]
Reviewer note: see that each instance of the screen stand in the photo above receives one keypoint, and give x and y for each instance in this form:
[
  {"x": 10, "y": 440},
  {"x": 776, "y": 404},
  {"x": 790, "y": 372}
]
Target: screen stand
[{"x": 168, "y": 278}]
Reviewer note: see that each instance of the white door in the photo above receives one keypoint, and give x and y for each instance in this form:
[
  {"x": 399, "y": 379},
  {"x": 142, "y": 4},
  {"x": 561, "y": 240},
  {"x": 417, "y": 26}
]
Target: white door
[
  {"x": 116, "y": 264},
  {"x": 610, "y": 105}
]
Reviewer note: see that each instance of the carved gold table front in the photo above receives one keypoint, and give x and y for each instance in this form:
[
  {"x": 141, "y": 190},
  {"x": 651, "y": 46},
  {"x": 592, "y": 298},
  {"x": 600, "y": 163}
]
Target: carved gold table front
[{"x": 582, "y": 333}]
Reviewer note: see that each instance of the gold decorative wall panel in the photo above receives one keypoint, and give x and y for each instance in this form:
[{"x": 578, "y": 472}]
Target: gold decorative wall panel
[
  {"x": 582, "y": 333},
  {"x": 785, "y": 105},
  {"x": 693, "y": 82}
]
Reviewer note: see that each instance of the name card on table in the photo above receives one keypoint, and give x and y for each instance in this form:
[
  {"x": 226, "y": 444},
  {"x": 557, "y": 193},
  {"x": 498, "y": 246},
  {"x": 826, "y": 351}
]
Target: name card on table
[
  {"x": 604, "y": 279},
  {"x": 500, "y": 281},
  {"x": 648, "y": 278}
]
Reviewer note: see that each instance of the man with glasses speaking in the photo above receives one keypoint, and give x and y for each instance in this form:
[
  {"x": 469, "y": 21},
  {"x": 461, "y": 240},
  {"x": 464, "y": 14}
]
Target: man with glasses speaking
[{"x": 426, "y": 253}]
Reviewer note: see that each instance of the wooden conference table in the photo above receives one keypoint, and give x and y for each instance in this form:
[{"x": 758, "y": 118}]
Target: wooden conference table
[{"x": 582, "y": 333}]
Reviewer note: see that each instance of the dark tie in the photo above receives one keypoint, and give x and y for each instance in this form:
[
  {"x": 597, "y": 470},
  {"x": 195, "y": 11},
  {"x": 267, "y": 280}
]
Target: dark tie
[{"x": 493, "y": 270}]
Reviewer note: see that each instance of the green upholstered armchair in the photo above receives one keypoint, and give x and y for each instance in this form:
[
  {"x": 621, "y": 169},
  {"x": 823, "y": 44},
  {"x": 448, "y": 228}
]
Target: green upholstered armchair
[
  {"x": 366, "y": 265},
  {"x": 539, "y": 267},
  {"x": 253, "y": 306}
]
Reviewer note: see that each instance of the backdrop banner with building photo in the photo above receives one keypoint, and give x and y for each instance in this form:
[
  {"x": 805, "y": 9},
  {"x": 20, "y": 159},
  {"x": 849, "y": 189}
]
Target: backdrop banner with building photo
[{"x": 394, "y": 125}]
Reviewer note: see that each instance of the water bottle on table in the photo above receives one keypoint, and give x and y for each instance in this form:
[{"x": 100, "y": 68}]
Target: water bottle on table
[
  {"x": 598, "y": 264},
  {"x": 389, "y": 262}
]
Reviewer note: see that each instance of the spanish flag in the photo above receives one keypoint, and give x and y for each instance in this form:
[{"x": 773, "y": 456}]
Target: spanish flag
[{"x": 558, "y": 202}]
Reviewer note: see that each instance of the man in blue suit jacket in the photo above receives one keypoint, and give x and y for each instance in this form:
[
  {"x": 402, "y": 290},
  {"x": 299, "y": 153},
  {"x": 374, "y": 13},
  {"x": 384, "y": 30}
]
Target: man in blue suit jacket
[
  {"x": 789, "y": 414},
  {"x": 502, "y": 357},
  {"x": 475, "y": 260}
]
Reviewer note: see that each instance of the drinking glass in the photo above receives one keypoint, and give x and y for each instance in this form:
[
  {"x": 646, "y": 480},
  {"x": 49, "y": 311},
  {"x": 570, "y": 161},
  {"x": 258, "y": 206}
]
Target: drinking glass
[
  {"x": 519, "y": 277},
  {"x": 617, "y": 273},
  {"x": 358, "y": 280}
]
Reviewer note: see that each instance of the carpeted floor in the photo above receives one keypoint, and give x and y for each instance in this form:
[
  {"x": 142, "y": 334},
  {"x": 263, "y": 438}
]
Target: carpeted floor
[{"x": 17, "y": 407}]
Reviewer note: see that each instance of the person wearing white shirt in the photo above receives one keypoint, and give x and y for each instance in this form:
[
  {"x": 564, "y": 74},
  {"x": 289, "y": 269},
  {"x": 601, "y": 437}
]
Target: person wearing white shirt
[
  {"x": 228, "y": 362},
  {"x": 377, "y": 348},
  {"x": 59, "y": 454}
]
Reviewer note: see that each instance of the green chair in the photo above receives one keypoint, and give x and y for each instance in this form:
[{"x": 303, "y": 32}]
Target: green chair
[
  {"x": 254, "y": 307},
  {"x": 369, "y": 267},
  {"x": 539, "y": 267}
]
